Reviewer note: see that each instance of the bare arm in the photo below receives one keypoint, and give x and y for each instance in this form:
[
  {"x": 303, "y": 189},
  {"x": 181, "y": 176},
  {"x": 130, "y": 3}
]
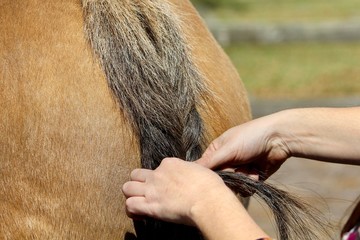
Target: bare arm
[
  {"x": 326, "y": 134},
  {"x": 187, "y": 193},
  {"x": 225, "y": 218}
]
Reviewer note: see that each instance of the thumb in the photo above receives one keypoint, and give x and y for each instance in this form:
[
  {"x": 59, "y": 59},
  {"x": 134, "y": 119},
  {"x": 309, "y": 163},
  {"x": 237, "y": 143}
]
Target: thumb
[
  {"x": 206, "y": 159},
  {"x": 215, "y": 157}
]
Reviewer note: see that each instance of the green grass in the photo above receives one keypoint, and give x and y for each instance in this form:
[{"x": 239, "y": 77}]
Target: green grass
[
  {"x": 308, "y": 70},
  {"x": 300, "y": 70},
  {"x": 283, "y": 10}
]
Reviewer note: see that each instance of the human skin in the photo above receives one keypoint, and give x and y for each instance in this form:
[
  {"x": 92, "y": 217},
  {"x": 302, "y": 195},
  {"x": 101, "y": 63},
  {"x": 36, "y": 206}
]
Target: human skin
[
  {"x": 187, "y": 193},
  {"x": 190, "y": 193},
  {"x": 325, "y": 134}
]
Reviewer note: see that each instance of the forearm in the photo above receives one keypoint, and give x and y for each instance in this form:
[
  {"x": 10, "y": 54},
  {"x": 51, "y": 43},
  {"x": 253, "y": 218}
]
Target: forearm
[
  {"x": 225, "y": 218},
  {"x": 328, "y": 134}
]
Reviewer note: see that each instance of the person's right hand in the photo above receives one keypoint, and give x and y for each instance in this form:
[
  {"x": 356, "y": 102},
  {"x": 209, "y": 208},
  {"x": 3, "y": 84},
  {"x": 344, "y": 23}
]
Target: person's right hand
[{"x": 252, "y": 148}]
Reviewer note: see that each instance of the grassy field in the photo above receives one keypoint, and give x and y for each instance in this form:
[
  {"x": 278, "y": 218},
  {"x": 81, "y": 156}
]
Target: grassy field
[
  {"x": 283, "y": 10},
  {"x": 300, "y": 70},
  {"x": 310, "y": 70}
]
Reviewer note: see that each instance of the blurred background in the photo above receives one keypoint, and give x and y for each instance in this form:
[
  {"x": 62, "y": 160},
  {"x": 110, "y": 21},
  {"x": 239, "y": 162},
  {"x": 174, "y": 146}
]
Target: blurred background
[{"x": 296, "y": 53}]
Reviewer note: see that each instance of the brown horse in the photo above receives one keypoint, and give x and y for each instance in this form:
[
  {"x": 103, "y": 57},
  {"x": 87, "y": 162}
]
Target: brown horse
[
  {"x": 90, "y": 90},
  {"x": 65, "y": 146}
]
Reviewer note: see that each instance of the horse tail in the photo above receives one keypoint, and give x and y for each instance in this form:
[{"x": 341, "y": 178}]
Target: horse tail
[
  {"x": 151, "y": 75},
  {"x": 150, "y": 72},
  {"x": 294, "y": 219}
]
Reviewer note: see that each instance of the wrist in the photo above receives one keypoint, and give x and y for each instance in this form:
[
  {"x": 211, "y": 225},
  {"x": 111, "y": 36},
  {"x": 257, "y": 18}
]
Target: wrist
[
  {"x": 318, "y": 133},
  {"x": 224, "y": 217},
  {"x": 203, "y": 212},
  {"x": 293, "y": 132},
  {"x": 280, "y": 141}
]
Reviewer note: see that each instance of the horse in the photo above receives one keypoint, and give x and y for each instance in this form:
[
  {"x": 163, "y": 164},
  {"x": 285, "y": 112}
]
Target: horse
[{"x": 90, "y": 90}]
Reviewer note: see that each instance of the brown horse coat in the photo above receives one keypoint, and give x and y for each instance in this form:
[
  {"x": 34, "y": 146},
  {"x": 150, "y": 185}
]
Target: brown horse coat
[{"x": 65, "y": 147}]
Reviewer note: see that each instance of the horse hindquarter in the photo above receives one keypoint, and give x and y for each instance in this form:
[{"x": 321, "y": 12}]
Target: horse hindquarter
[
  {"x": 65, "y": 147},
  {"x": 65, "y": 150}
]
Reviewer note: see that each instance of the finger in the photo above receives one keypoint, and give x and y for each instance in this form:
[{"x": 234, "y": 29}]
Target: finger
[
  {"x": 266, "y": 169},
  {"x": 140, "y": 175},
  {"x": 265, "y": 174},
  {"x": 221, "y": 158},
  {"x": 228, "y": 170},
  {"x": 132, "y": 189},
  {"x": 205, "y": 159},
  {"x": 137, "y": 206},
  {"x": 255, "y": 177},
  {"x": 218, "y": 152},
  {"x": 249, "y": 171}
]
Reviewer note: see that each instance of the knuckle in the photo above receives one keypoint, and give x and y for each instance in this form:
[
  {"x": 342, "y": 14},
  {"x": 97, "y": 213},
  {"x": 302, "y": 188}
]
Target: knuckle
[
  {"x": 129, "y": 204},
  {"x": 134, "y": 173},
  {"x": 125, "y": 187},
  {"x": 168, "y": 162}
]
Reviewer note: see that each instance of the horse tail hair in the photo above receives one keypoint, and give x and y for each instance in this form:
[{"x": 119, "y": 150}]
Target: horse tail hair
[
  {"x": 150, "y": 72},
  {"x": 151, "y": 75},
  {"x": 294, "y": 219}
]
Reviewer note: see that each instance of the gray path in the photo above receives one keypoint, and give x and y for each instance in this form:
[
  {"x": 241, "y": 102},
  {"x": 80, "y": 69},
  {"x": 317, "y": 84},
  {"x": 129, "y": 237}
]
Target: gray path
[
  {"x": 329, "y": 31},
  {"x": 264, "y": 107}
]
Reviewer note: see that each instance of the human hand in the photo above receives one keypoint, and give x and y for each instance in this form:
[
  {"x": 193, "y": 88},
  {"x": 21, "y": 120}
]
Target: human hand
[
  {"x": 252, "y": 148},
  {"x": 174, "y": 191}
]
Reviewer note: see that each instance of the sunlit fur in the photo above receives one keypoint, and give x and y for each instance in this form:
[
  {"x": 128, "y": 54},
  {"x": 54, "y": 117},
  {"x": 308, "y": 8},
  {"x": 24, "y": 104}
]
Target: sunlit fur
[{"x": 92, "y": 89}]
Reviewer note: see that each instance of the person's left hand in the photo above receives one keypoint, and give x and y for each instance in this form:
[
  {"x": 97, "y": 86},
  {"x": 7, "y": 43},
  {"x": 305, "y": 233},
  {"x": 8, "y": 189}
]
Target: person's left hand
[{"x": 172, "y": 191}]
